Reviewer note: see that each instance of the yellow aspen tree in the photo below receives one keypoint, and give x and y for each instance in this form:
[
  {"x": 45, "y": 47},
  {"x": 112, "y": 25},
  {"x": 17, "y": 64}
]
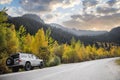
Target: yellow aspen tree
[
  {"x": 79, "y": 50},
  {"x": 40, "y": 45},
  {"x": 12, "y": 40},
  {"x": 27, "y": 43},
  {"x": 40, "y": 40}
]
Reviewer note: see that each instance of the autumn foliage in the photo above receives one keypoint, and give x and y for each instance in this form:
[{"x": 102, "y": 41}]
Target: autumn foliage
[{"x": 45, "y": 47}]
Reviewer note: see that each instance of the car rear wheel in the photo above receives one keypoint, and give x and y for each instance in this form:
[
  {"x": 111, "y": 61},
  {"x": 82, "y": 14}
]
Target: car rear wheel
[{"x": 28, "y": 66}]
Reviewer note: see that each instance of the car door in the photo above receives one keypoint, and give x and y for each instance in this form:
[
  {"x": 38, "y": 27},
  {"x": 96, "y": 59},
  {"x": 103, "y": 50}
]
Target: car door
[
  {"x": 37, "y": 61},
  {"x": 33, "y": 60}
]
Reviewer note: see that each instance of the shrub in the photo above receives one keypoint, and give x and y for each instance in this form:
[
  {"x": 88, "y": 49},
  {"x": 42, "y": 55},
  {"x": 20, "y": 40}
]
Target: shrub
[
  {"x": 3, "y": 67},
  {"x": 54, "y": 61}
]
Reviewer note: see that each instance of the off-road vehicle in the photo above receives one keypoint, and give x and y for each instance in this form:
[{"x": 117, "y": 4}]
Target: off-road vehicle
[{"x": 23, "y": 60}]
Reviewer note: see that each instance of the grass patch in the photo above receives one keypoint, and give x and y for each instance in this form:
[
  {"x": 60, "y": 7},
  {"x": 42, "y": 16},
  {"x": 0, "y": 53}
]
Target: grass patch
[{"x": 118, "y": 61}]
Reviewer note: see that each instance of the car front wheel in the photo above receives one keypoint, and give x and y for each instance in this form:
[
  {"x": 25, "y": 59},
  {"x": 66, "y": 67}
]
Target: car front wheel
[
  {"x": 41, "y": 65},
  {"x": 28, "y": 66}
]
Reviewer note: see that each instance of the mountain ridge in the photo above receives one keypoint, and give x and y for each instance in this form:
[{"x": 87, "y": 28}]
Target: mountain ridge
[
  {"x": 61, "y": 34},
  {"x": 79, "y": 32}
]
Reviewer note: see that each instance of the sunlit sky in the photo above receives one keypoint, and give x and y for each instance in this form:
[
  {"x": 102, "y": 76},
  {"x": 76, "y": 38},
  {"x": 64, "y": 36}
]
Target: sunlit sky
[{"x": 78, "y": 14}]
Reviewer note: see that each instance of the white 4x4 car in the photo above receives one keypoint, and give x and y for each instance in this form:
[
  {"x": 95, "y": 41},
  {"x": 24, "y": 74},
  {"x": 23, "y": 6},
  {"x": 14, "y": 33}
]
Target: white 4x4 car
[{"x": 23, "y": 60}]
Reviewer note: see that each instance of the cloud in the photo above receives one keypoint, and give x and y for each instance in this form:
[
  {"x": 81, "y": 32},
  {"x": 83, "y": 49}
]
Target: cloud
[
  {"x": 106, "y": 10},
  {"x": 85, "y": 17},
  {"x": 46, "y": 5},
  {"x": 97, "y": 14},
  {"x": 89, "y": 3},
  {"x": 16, "y": 11},
  {"x": 35, "y": 5},
  {"x": 50, "y": 10},
  {"x": 111, "y": 2},
  {"x": 5, "y": 1},
  {"x": 79, "y": 21},
  {"x": 88, "y": 21},
  {"x": 49, "y": 16}
]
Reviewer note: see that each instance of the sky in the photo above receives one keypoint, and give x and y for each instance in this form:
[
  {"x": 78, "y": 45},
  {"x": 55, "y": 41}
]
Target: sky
[{"x": 78, "y": 14}]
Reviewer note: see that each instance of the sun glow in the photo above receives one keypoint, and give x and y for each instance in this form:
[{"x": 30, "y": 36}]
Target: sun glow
[{"x": 94, "y": 29}]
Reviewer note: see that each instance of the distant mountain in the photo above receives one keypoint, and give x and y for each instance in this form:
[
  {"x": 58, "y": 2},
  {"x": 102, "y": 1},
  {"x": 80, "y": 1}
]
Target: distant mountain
[
  {"x": 34, "y": 17},
  {"x": 64, "y": 35},
  {"x": 32, "y": 27},
  {"x": 57, "y": 26},
  {"x": 115, "y": 31},
  {"x": 79, "y": 32},
  {"x": 114, "y": 35}
]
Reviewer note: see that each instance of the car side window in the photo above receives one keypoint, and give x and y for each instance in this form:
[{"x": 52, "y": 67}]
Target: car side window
[
  {"x": 29, "y": 56},
  {"x": 32, "y": 56},
  {"x": 23, "y": 56},
  {"x": 36, "y": 57}
]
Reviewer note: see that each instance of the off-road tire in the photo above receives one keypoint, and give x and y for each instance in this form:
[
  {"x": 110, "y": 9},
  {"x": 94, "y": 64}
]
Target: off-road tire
[
  {"x": 28, "y": 66},
  {"x": 9, "y": 61},
  {"x": 41, "y": 65}
]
